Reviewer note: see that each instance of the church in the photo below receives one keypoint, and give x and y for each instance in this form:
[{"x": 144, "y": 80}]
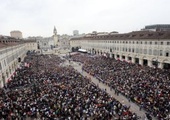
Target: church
[{"x": 48, "y": 43}]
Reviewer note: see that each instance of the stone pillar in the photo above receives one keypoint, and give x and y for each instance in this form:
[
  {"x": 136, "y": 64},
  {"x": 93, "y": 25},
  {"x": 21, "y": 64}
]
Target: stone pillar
[
  {"x": 149, "y": 63},
  {"x": 111, "y": 55},
  {"x": 126, "y": 58},
  {"x": 1, "y": 83},
  {"x": 115, "y": 56},
  {"x": 133, "y": 60},
  {"x": 160, "y": 65},
  {"x": 141, "y": 61},
  {"x": 120, "y": 57}
]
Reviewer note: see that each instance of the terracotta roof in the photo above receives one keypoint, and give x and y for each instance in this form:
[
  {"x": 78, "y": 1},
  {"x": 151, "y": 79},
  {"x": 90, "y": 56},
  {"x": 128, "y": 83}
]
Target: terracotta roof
[
  {"x": 131, "y": 35},
  {"x": 27, "y": 41},
  {"x": 6, "y": 41},
  {"x": 8, "y": 44}
]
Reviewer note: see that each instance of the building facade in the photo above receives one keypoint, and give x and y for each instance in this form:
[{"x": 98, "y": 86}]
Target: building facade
[
  {"x": 46, "y": 44},
  {"x": 14, "y": 49},
  {"x": 55, "y": 38},
  {"x": 12, "y": 52},
  {"x": 141, "y": 47},
  {"x": 31, "y": 45},
  {"x": 16, "y": 34},
  {"x": 158, "y": 27},
  {"x": 75, "y": 33},
  {"x": 64, "y": 41}
]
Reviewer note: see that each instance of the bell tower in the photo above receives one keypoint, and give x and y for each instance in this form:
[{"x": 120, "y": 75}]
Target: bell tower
[
  {"x": 55, "y": 37},
  {"x": 55, "y": 31}
]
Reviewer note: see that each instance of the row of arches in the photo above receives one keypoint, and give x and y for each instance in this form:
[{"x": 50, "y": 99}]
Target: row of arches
[
  {"x": 8, "y": 73},
  {"x": 144, "y": 61},
  {"x": 75, "y": 49}
]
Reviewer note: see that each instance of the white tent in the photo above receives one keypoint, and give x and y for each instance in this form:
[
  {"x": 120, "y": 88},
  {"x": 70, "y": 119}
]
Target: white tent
[{"x": 82, "y": 50}]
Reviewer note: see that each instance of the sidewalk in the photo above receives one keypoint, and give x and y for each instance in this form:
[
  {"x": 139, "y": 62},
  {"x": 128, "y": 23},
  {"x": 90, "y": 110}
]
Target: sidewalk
[{"x": 120, "y": 98}]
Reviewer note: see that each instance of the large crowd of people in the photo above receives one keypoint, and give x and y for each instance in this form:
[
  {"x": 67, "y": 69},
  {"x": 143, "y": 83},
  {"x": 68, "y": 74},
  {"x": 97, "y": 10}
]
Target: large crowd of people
[
  {"x": 43, "y": 89},
  {"x": 146, "y": 86}
]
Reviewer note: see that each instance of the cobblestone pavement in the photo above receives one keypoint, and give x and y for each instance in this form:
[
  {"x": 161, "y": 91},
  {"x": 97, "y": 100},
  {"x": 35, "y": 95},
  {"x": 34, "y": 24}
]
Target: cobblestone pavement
[{"x": 120, "y": 98}]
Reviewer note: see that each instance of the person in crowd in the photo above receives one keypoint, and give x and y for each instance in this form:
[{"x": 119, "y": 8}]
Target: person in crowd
[
  {"x": 148, "y": 87},
  {"x": 47, "y": 90}
]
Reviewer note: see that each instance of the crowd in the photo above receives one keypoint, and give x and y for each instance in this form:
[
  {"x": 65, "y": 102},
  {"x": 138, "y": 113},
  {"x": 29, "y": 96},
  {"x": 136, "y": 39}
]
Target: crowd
[
  {"x": 48, "y": 91},
  {"x": 146, "y": 86}
]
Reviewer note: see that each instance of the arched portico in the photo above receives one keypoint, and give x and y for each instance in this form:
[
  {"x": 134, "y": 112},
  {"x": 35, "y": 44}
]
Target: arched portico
[
  {"x": 155, "y": 62},
  {"x": 145, "y": 61},
  {"x": 165, "y": 64}
]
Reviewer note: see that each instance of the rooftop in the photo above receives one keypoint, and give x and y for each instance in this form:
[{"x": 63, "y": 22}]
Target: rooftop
[
  {"x": 6, "y": 41},
  {"x": 131, "y": 35}
]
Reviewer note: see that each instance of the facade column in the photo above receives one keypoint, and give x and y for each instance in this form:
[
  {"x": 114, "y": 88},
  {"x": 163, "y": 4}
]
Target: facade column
[
  {"x": 3, "y": 80},
  {"x": 141, "y": 61},
  {"x": 133, "y": 60},
  {"x": 160, "y": 65},
  {"x": 115, "y": 56},
  {"x": 120, "y": 57},
  {"x": 1, "y": 85},
  {"x": 126, "y": 58},
  {"x": 149, "y": 63},
  {"x": 111, "y": 55}
]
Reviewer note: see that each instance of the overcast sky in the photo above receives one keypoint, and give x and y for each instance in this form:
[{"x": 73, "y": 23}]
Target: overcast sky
[{"x": 38, "y": 17}]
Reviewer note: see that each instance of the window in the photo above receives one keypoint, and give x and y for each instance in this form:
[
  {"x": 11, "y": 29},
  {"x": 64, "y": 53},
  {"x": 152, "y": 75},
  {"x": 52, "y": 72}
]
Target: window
[
  {"x": 141, "y": 42},
  {"x": 167, "y": 54},
  {"x": 161, "y": 52},
  {"x": 137, "y": 50},
  {"x": 155, "y": 43},
  {"x": 0, "y": 66},
  {"x": 168, "y": 43},
  {"x": 162, "y": 43},
  {"x": 150, "y": 51},
  {"x": 145, "y": 42},
  {"x": 133, "y": 50},
  {"x": 155, "y": 52},
  {"x": 150, "y": 43},
  {"x": 145, "y": 51},
  {"x": 141, "y": 51}
]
